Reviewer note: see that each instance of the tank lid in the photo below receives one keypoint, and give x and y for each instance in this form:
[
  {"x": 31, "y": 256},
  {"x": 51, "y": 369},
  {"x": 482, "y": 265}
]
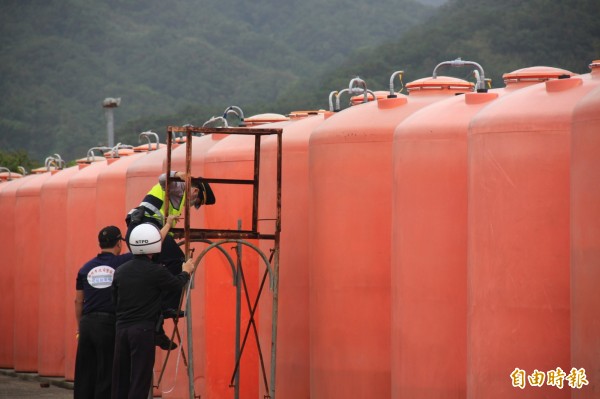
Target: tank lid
[
  {"x": 4, "y": 176},
  {"x": 379, "y": 94},
  {"x": 260, "y": 119},
  {"x": 43, "y": 169},
  {"x": 441, "y": 83},
  {"x": 299, "y": 114},
  {"x": 89, "y": 160},
  {"x": 144, "y": 147},
  {"x": 122, "y": 152},
  {"x": 535, "y": 73}
]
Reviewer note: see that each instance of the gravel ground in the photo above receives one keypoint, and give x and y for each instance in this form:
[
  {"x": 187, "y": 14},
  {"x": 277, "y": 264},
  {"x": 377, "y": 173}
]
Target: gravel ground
[{"x": 25, "y": 385}]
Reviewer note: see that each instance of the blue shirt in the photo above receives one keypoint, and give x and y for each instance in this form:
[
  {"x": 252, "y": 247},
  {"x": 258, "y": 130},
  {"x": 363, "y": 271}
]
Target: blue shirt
[{"x": 95, "y": 280}]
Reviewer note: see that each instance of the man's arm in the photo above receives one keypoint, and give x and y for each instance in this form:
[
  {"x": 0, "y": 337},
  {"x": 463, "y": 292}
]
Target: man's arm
[{"x": 78, "y": 306}]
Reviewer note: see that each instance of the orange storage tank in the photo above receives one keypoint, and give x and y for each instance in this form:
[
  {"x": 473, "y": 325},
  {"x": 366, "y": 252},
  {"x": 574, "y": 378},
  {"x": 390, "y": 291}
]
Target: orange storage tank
[
  {"x": 28, "y": 236},
  {"x": 175, "y": 381},
  {"x": 350, "y": 175},
  {"x": 231, "y": 158},
  {"x": 52, "y": 297},
  {"x": 518, "y": 240},
  {"x": 293, "y": 367},
  {"x": 143, "y": 173},
  {"x": 585, "y": 239},
  {"x": 111, "y": 189},
  {"x": 429, "y": 242},
  {"x": 82, "y": 244},
  {"x": 10, "y": 256}
]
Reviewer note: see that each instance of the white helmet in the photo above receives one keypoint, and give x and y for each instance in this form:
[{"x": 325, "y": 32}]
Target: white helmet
[{"x": 145, "y": 239}]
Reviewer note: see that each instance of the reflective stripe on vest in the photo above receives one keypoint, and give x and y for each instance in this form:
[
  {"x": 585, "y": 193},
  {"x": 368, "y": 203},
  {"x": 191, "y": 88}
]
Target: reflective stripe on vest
[{"x": 154, "y": 201}]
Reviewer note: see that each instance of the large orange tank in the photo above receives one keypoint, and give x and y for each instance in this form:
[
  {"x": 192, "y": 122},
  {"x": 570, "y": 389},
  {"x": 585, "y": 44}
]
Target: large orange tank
[
  {"x": 52, "y": 297},
  {"x": 585, "y": 240},
  {"x": 293, "y": 366},
  {"x": 429, "y": 242},
  {"x": 175, "y": 383},
  {"x": 231, "y": 158},
  {"x": 28, "y": 236},
  {"x": 141, "y": 174},
  {"x": 111, "y": 188},
  {"x": 350, "y": 177},
  {"x": 8, "y": 195},
  {"x": 518, "y": 240},
  {"x": 82, "y": 244}
]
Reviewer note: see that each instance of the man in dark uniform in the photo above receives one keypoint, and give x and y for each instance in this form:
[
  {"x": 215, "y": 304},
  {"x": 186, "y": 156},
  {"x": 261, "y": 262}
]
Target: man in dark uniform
[
  {"x": 138, "y": 286},
  {"x": 95, "y": 315}
]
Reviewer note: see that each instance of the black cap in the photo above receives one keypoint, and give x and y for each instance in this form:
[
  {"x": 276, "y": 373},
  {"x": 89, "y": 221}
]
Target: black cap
[
  {"x": 206, "y": 195},
  {"x": 109, "y": 236}
]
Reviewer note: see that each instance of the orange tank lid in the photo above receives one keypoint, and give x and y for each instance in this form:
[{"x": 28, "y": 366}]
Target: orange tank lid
[
  {"x": 304, "y": 113},
  {"x": 535, "y": 74},
  {"x": 440, "y": 84},
  {"x": 43, "y": 169},
  {"x": 4, "y": 176},
  {"x": 380, "y": 94},
  {"x": 121, "y": 152},
  {"x": 144, "y": 147},
  {"x": 261, "y": 119}
]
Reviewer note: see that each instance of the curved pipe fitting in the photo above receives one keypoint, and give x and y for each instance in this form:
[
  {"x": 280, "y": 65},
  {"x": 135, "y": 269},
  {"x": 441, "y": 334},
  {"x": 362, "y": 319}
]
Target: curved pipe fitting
[
  {"x": 238, "y": 112},
  {"x": 354, "y": 89},
  {"x": 147, "y": 136},
  {"x": 2, "y": 168},
  {"x": 392, "y": 90},
  {"x": 22, "y": 170},
  {"x": 337, "y": 99},
  {"x": 215, "y": 121},
  {"x": 331, "y": 107},
  {"x": 90, "y": 152},
  {"x": 460, "y": 63}
]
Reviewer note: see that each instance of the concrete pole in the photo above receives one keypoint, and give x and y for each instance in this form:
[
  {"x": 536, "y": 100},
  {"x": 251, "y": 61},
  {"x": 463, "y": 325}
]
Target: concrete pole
[{"x": 109, "y": 104}]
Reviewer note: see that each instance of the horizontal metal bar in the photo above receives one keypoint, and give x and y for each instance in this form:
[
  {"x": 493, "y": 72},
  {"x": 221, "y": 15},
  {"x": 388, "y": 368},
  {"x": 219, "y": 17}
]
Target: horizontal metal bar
[
  {"x": 223, "y": 130},
  {"x": 222, "y": 234}
]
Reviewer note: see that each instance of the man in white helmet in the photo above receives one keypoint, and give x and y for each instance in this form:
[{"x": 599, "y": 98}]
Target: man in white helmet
[{"x": 137, "y": 289}]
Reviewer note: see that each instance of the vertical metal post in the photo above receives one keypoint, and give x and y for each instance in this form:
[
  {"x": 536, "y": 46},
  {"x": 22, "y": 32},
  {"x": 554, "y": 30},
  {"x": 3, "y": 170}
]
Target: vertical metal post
[
  {"x": 238, "y": 315},
  {"x": 276, "y": 271},
  {"x": 256, "y": 180},
  {"x": 188, "y": 307}
]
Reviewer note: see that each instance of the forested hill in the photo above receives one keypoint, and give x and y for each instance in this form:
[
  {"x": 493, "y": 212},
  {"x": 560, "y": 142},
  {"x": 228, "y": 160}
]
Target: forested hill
[
  {"x": 61, "y": 58},
  {"x": 502, "y": 36}
]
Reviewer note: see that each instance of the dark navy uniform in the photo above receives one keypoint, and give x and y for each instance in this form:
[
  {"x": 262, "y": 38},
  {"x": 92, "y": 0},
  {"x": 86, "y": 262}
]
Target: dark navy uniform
[
  {"x": 137, "y": 289},
  {"x": 93, "y": 364}
]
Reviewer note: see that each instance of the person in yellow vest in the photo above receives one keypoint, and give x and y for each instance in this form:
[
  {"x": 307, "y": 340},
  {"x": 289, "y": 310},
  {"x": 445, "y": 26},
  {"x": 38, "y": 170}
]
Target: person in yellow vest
[{"x": 151, "y": 210}]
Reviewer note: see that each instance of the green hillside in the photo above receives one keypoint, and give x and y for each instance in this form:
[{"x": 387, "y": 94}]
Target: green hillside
[{"x": 60, "y": 59}]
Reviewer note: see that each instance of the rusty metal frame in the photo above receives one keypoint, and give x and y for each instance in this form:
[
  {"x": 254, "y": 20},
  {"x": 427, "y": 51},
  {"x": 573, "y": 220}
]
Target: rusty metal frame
[{"x": 198, "y": 235}]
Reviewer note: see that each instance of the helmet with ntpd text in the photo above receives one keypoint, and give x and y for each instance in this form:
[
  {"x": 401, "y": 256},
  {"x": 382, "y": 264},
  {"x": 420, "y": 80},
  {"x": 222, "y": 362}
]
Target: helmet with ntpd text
[{"x": 145, "y": 239}]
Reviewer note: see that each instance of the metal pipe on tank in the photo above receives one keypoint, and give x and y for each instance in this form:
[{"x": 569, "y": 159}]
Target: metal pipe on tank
[
  {"x": 2, "y": 168},
  {"x": 22, "y": 170},
  {"x": 460, "y": 63},
  {"x": 333, "y": 93},
  {"x": 237, "y": 116},
  {"x": 392, "y": 89},
  {"x": 147, "y": 135},
  {"x": 90, "y": 153}
]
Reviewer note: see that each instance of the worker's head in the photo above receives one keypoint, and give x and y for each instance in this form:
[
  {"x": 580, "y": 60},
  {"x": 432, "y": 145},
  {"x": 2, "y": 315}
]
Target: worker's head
[
  {"x": 145, "y": 239},
  {"x": 110, "y": 237},
  {"x": 201, "y": 193}
]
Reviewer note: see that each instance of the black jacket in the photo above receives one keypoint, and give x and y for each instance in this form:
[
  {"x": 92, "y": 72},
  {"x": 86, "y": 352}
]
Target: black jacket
[{"x": 137, "y": 287}]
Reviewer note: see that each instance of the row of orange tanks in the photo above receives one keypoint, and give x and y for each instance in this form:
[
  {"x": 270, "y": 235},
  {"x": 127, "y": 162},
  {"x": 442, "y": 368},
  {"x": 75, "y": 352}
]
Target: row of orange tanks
[{"x": 439, "y": 244}]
